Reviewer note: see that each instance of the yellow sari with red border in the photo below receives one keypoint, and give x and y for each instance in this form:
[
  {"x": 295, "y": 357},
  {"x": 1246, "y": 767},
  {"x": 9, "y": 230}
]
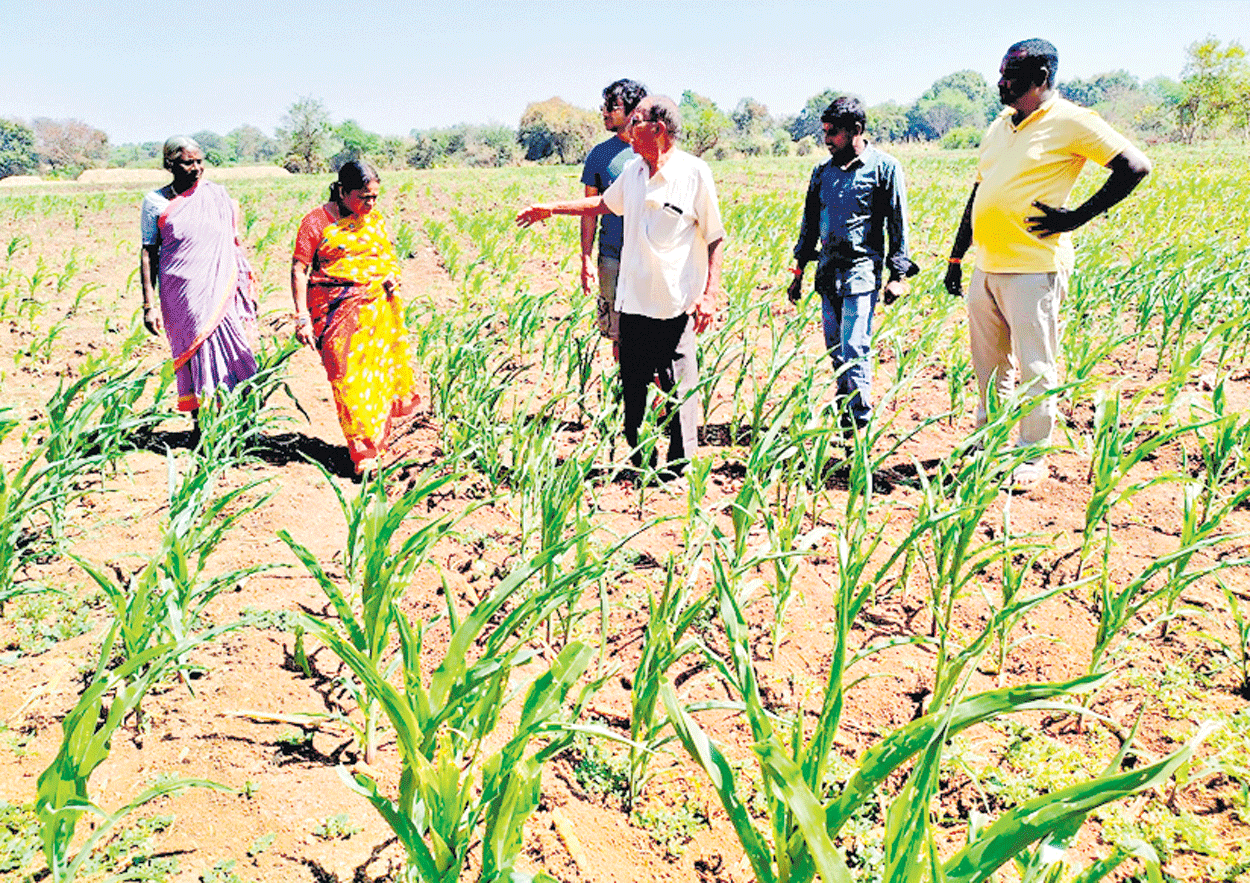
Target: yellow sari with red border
[{"x": 360, "y": 332}]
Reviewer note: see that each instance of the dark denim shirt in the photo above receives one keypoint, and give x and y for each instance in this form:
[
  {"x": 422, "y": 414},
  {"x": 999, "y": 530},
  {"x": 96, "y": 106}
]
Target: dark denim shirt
[{"x": 848, "y": 212}]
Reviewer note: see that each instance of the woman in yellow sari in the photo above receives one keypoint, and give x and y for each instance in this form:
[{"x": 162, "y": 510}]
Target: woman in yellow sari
[{"x": 345, "y": 282}]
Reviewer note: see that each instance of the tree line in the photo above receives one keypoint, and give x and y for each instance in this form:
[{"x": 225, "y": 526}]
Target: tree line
[{"x": 1210, "y": 100}]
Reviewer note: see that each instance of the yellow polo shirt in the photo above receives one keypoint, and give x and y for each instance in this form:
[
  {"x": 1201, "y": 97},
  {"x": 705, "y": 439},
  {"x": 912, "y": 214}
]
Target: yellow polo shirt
[{"x": 1039, "y": 160}]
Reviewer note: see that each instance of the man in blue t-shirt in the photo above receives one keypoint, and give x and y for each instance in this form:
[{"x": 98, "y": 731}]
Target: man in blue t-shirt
[{"x": 603, "y": 164}]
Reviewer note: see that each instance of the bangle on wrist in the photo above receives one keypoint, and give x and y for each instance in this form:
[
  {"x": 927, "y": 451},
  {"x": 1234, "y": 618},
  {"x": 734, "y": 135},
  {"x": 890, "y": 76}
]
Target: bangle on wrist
[
  {"x": 303, "y": 319},
  {"x": 797, "y": 271},
  {"x": 954, "y": 260}
]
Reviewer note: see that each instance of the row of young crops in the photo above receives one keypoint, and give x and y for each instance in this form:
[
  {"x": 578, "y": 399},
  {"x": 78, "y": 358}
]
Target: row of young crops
[{"x": 456, "y": 718}]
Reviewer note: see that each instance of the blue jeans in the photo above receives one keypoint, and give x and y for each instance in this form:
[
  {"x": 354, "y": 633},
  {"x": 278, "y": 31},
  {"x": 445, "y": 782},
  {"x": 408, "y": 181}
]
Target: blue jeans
[{"x": 848, "y": 337}]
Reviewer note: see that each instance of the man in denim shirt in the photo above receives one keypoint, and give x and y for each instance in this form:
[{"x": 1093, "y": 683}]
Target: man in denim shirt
[{"x": 853, "y": 200}]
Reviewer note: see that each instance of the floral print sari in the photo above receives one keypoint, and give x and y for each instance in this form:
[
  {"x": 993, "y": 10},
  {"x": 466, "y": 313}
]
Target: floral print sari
[{"x": 360, "y": 332}]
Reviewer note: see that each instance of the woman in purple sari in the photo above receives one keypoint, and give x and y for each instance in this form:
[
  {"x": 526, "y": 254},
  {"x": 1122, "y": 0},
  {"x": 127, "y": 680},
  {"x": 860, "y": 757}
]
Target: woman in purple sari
[{"x": 191, "y": 254}]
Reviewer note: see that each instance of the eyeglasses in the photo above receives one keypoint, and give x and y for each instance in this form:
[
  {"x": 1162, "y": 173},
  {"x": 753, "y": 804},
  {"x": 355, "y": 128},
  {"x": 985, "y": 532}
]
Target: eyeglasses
[
  {"x": 609, "y": 106},
  {"x": 638, "y": 121}
]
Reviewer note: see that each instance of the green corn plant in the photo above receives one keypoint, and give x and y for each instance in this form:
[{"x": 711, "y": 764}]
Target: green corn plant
[
  {"x": 25, "y": 498},
  {"x": 1040, "y": 864},
  {"x": 717, "y": 352},
  {"x": 88, "y": 424},
  {"x": 165, "y": 599},
  {"x": 952, "y": 508},
  {"x": 1019, "y": 555},
  {"x": 1085, "y": 349},
  {"x": 1199, "y": 523},
  {"x": 664, "y": 644},
  {"x": 559, "y": 498},
  {"x": 788, "y": 545},
  {"x": 960, "y": 375},
  {"x": 62, "y": 279},
  {"x": 39, "y": 348},
  {"x": 1116, "y": 451},
  {"x": 62, "y": 794},
  {"x": 377, "y": 572},
  {"x": 234, "y": 425},
  {"x": 83, "y": 290},
  {"x": 764, "y": 405},
  {"x": 16, "y": 244},
  {"x": 1036, "y": 833},
  {"x": 1224, "y": 447},
  {"x": 453, "y": 791},
  {"x": 405, "y": 240},
  {"x": 199, "y": 519},
  {"x": 1168, "y": 575},
  {"x": 804, "y": 812},
  {"x": 1237, "y": 650}
]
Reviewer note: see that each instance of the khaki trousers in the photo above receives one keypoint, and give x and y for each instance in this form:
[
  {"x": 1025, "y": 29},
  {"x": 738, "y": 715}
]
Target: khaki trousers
[
  {"x": 606, "y": 317},
  {"x": 1013, "y": 326}
]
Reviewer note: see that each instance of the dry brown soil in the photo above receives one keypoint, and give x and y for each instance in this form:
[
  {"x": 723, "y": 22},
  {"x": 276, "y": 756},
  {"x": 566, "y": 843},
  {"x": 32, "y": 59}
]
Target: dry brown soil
[{"x": 230, "y": 728}]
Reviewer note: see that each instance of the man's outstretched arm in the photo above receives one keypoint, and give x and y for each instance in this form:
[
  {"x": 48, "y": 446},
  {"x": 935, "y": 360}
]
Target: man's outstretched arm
[{"x": 541, "y": 211}]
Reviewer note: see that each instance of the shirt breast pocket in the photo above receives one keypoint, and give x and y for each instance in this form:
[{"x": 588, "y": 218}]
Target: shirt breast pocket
[{"x": 667, "y": 222}]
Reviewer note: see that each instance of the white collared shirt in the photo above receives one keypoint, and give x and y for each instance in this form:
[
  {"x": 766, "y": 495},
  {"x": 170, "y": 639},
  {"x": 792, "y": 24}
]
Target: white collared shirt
[{"x": 670, "y": 218}]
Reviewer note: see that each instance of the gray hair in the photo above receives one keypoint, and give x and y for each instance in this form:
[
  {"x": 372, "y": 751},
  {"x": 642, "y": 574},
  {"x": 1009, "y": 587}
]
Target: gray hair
[
  {"x": 175, "y": 147},
  {"x": 662, "y": 109}
]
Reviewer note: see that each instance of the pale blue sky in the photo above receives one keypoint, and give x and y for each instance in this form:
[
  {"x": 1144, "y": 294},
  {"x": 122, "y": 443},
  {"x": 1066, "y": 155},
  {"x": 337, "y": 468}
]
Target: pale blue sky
[{"x": 144, "y": 71}]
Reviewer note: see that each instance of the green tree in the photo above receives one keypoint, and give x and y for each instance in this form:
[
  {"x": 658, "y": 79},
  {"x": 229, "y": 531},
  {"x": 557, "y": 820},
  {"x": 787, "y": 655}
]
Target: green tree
[
  {"x": 1157, "y": 118},
  {"x": 218, "y": 151},
  {"x": 1099, "y": 88},
  {"x": 251, "y": 145},
  {"x": 144, "y": 155},
  {"x": 750, "y": 117},
  {"x": 702, "y": 123},
  {"x": 357, "y": 144},
  {"x": 933, "y": 115},
  {"x": 426, "y": 149},
  {"x": 17, "y": 149},
  {"x": 492, "y": 147},
  {"x": 554, "y": 128},
  {"x": 959, "y": 100},
  {"x": 807, "y": 123},
  {"x": 888, "y": 122},
  {"x": 392, "y": 152},
  {"x": 1215, "y": 83},
  {"x": 305, "y": 136},
  {"x": 972, "y": 86}
]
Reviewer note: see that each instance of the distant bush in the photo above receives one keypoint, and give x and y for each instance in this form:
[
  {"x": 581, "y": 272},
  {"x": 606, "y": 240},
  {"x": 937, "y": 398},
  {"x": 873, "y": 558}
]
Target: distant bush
[
  {"x": 17, "y": 149},
  {"x": 556, "y": 130},
  {"x": 962, "y": 138},
  {"x": 463, "y": 145}
]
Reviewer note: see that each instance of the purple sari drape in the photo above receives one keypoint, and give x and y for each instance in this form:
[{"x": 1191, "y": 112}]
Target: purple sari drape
[{"x": 207, "y": 294}]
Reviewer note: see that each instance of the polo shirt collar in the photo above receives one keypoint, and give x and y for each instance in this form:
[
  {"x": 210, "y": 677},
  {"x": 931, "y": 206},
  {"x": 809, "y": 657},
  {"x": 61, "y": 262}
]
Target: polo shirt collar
[{"x": 1040, "y": 111}]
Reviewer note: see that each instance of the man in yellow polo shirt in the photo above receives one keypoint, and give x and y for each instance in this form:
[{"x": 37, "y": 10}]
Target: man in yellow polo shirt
[{"x": 1016, "y": 216}]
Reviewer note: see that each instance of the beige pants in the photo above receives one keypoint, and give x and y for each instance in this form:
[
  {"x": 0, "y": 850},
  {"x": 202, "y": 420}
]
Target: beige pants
[{"x": 1013, "y": 325}]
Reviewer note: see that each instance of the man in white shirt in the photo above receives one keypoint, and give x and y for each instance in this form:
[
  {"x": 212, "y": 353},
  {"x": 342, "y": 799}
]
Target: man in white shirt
[{"x": 669, "y": 280}]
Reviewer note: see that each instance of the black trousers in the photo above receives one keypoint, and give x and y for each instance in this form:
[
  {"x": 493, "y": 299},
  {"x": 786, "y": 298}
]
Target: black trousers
[{"x": 663, "y": 348}]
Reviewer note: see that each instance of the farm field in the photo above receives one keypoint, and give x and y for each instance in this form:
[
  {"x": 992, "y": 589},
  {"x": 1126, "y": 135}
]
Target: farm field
[{"x": 516, "y": 655}]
